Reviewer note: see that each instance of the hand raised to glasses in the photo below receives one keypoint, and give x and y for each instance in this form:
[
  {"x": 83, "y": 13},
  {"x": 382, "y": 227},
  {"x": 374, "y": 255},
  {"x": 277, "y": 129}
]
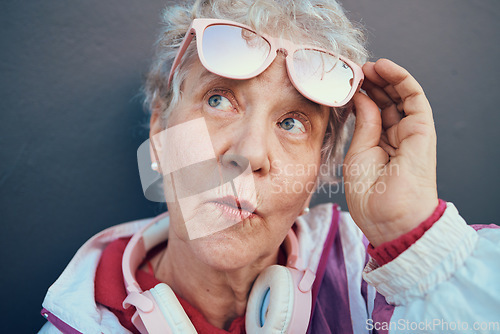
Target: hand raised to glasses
[{"x": 390, "y": 167}]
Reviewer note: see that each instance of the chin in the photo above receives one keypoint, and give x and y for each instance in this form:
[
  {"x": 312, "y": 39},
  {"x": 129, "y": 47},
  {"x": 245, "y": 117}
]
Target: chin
[
  {"x": 233, "y": 248},
  {"x": 224, "y": 254},
  {"x": 239, "y": 244}
]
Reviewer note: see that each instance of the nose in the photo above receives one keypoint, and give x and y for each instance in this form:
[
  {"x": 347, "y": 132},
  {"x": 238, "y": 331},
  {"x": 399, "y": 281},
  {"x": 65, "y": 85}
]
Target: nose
[
  {"x": 252, "y": 140},
  {"x": 248, "y": 147}
]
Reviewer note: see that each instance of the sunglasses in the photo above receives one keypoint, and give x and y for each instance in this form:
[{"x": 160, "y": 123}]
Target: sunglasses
[{"x": 235, "y": 51}]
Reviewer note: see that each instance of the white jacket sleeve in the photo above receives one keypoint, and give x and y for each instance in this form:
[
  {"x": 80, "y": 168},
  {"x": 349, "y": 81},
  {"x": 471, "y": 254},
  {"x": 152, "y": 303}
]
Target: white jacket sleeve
[{"x": 448, "y": 281}]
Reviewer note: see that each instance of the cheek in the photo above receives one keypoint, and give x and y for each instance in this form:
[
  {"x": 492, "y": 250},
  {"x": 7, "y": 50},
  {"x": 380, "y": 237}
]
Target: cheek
[
  {"x": 294, "y": 174},
  {"x": 293, "y": 182},
  {"x": 186, "y": 111},
  {"x": 177, "y": 225}
]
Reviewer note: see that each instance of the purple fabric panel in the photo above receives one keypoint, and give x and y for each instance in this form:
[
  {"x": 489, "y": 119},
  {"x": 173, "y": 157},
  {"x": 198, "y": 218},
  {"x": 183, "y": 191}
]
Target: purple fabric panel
[
  {"x": 58, "y": 323},
  {"x": 478, "y": 227},
  {"x": 332, "y": 232},
  {"x": 382, "y": 312},
  {"x": 331, "y": 313},
  {"x": 364, "y": 292},
  {"x": 366, "y": 242},
  {"x": 364, "y": 285}
]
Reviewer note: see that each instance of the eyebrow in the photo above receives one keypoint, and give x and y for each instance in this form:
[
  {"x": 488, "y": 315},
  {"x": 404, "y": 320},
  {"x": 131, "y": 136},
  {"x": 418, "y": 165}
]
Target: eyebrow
[{"x": 207, "y": 77}]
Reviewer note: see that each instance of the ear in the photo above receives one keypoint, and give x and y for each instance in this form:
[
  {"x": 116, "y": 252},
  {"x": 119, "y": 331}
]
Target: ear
[{"x": 155, "y": 127}]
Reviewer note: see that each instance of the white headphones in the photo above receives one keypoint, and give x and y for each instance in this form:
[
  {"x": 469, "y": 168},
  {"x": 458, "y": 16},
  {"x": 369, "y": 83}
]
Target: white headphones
[{"x": 280, "y": 300}]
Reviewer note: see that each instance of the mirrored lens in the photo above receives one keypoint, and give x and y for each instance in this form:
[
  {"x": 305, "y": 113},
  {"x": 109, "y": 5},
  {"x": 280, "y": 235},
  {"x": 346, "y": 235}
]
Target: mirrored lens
[
  {"x": 323, "y": 76},
  {"x": 232, "y": 51}
]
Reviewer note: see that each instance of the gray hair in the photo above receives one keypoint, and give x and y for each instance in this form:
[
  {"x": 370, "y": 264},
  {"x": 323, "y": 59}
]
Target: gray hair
[{"x": 318, "y": 22}]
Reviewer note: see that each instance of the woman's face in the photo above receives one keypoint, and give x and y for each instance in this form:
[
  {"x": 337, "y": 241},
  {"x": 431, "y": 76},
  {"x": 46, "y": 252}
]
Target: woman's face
[{"x": 261, "y": 129}]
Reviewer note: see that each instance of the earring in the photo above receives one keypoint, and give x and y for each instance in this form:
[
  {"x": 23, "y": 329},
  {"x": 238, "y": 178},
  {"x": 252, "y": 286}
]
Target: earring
[
  {"x": 154, "y": 166},
  {"x": 305, "y": 211}
]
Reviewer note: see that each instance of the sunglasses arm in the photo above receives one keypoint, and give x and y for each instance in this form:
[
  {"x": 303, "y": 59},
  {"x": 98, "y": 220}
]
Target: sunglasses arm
[{"x": 182, "y": 49}]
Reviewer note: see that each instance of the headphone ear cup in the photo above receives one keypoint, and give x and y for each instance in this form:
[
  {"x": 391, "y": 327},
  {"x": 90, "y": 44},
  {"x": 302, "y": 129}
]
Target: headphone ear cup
[
  {"x": 277, "y": 283},
  {"x": 172, "y": 310}
]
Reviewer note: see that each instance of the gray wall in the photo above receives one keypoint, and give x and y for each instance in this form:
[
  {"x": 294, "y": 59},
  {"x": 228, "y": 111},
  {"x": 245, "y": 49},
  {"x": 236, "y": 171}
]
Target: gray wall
[{"x": 71, "y": 120}]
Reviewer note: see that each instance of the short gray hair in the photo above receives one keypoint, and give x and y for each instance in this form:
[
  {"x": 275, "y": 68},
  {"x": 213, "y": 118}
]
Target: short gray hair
[{"x": 318, "y": 22}]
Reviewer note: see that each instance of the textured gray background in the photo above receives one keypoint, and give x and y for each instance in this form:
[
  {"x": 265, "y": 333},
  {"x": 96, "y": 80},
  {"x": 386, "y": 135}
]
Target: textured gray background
[{"x": 71, "y": 120}]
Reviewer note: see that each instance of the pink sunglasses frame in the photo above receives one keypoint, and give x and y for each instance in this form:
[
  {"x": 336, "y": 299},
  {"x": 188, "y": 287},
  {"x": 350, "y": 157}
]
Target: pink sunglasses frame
[{"x": 198, "y": 27}]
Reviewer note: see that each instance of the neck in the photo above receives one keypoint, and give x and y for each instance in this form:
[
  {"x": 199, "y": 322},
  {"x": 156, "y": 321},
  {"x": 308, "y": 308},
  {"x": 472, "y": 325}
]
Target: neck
[{"x": 221, "y": 296}]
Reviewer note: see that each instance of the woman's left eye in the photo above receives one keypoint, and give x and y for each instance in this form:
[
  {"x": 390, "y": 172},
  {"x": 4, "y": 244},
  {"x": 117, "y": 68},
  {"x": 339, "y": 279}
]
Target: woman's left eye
[
  {"x": 292, "y": 125},
  {"x": 220, "y": 102}
]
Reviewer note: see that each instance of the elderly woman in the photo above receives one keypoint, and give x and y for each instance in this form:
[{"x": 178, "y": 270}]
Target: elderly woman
[{"x": 249, "y": 104}]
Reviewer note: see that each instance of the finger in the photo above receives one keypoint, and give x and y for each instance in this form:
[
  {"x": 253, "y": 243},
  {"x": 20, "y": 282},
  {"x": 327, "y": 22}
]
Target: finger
[
  {"x": 386, "y": 146},
  {"x": 383, "y": 92},
  {"x": 414, "y": 131},
  {"x": 389, "y": 110},
  {"x": 372, "y": 75},
  {"x": 394, "y": 95},
  {"x": 368, "y": 126},
  {"x": 412, "y": 94}
]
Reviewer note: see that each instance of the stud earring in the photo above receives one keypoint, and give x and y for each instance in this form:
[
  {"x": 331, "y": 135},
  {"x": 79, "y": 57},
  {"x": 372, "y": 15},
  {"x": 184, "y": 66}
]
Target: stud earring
[
  {"x": 154, "y": 166},
  {"x": 305, "y": 211}
]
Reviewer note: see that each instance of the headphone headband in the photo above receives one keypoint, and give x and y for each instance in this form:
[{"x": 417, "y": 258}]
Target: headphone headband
[{"x": 144, "y": 240}]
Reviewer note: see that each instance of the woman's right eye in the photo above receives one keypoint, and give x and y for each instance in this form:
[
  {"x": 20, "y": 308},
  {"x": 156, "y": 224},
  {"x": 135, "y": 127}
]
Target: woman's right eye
[{"x": 220, "y": 102}]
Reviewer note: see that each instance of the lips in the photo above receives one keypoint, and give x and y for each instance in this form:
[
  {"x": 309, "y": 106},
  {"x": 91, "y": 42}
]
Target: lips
[{"x": 235, "y": 207}]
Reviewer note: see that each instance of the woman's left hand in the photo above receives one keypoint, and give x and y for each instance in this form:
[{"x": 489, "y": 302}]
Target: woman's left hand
[{"x": 390, "y": 167}]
